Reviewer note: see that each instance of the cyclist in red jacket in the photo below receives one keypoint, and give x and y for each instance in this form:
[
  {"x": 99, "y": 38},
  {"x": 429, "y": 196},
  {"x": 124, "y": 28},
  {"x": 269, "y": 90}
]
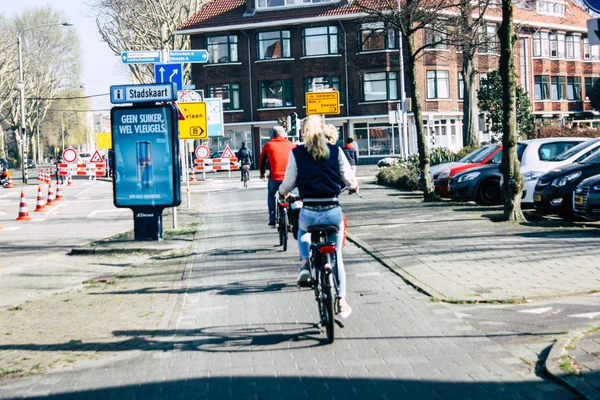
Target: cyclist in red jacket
[{"x": 277, "y": 153}]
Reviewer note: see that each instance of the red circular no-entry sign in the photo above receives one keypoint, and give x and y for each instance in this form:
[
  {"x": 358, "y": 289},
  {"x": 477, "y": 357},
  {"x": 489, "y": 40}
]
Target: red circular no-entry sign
[
  {"x": 69, "y": 155},
  {"x": 202, "y": 151}
]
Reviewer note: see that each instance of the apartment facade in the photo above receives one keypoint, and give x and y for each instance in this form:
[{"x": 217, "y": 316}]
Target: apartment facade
[{"x": 264, "y": 55}]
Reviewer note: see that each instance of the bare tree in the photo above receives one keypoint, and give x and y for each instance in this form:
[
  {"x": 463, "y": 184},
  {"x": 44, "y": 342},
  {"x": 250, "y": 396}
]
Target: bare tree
[
  {"x": 134, "y": 25},
  {"x": 411, "y": 17},
  {"x": 50, "y": 61},
  {"x": 513, "y": 181}
]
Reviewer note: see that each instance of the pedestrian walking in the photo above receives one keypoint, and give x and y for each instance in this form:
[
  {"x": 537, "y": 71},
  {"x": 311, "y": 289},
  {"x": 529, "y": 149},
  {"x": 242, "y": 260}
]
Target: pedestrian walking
[
  {"x": 351, "y": 153},
  {"x": 277, "y": 153}
]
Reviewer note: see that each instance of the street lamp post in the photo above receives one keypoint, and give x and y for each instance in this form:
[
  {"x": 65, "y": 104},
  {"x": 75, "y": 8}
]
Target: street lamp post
[{"x": 21, "y": 87}]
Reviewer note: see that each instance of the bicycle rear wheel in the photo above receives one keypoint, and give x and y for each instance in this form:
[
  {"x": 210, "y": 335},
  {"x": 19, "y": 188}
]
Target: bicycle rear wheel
[
  {"x": 328, "y": 300},
  {"x": 284, "y": 232}
]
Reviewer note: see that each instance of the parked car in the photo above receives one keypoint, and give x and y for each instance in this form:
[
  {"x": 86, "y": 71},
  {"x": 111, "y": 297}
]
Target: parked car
[
  {"x": 483, "y": 185},
  {"x": 436, "y": 169},
  {"x": 30, "y": 164},
  {"x": 586, "y": 198},
  {"x": 553, "y": 193},
  {"x": 4, "y": 163},
  {"x": 84, "y": 158},
  {"x": 492, "y": 154}
]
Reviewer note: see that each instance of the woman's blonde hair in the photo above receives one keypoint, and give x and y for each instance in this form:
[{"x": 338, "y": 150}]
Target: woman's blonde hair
[
  {"x": 314, "y": 137},
  {"x": 331, "y": 133}
]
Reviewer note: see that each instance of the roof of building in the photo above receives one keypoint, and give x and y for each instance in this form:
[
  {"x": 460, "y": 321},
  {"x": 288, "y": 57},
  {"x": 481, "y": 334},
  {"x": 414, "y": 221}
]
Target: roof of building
[{"x": 232, "y": 13}]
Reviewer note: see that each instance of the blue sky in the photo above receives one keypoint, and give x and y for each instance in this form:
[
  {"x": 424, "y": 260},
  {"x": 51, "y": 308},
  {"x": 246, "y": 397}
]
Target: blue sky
[{"x": 101, "y": 68}]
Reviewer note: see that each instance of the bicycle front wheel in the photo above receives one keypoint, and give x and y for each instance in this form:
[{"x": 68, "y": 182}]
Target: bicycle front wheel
[{"x": 284, "y": 232}]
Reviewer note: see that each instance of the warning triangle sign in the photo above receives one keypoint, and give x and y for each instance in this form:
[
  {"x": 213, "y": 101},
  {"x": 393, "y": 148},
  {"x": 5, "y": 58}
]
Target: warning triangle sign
[
  {"x": 227, "y": 153},
  {"x": 96, "y": 158}
]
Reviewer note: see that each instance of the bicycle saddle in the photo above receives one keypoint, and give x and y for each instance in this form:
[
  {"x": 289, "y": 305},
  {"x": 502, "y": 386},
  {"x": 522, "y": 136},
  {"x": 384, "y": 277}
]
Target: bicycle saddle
[{"x": 326, "y": 228}]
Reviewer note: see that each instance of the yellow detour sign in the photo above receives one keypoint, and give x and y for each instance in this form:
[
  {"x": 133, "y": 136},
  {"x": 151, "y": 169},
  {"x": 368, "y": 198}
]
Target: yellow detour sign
[
  {"x": 104, "y": 140},
  {"x": 194, "y": 125},
  {"x": 322, "y": 102}
]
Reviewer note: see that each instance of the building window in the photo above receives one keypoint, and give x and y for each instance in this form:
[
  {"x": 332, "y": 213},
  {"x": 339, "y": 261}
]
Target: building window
[
  {"x": 589, "y": 84},
  {"x": 461, "y": 87},
  {"x": 379, "y": 86},
  {"x": 438, "y": 85},
  {"x": 557, "y": 45},
  {"x": 524, "y": 65},
  {"x": 274, "y": 45},
  {"x": 276, "y": 93},
  {"x": 321, "y": 40},
  {"x": 551, "y": 7},
  {"x": 222, "y": 49},
  {"x": 229, "y": 92},
  {"x": 573, "y": 88},
  {"x": 559, "y": 87},
  {"x": 541, "y": 87},
  {"x": 374, "y": 36},
  {"x": 586, "y": 49},
  {"x": 541, "y": 44},
  {"x": 574, "y": 47},
  {"x": 435, "y": 39},
  {"x": 484, "y": 86},
  {"x": 285, "y": 3},
  {"x": 376, "y": 139},
  {"x": 488, "y": 40},
  {"x": 321, "y": 82}
]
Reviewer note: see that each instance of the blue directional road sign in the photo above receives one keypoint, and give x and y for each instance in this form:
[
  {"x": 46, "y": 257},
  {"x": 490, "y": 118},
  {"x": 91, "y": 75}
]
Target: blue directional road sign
[
  {"x": 190, "y": 56},
  {"x": 165, "y": 73},
  {"x": 140, "y": 57},
  {"x": 593, "y": 4}
]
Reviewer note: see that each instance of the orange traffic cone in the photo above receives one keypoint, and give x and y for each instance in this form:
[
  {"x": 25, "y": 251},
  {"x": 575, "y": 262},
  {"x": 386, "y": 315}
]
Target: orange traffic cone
[
  {"x": 69, "y": 180},
  {"x": 50, "y": 201},
  {"x": 41, "y": 176},
  {"x": 193, "y": 177},
  {"x": 10, "y": 184},
  {"x": 40, "y": 205},
  {"x": 59, "y": 195},
  {"x": 23, "y": 213}
]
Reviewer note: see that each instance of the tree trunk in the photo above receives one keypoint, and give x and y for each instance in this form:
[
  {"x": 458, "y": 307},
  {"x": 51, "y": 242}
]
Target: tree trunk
[
  {"x": 470, "y": 107},
  {"x": 513, "y": 181},
  {"x": 425, "y": 181}
]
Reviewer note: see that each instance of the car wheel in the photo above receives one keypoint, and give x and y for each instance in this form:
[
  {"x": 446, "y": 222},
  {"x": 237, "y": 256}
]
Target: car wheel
[{"x": 489, "y": 193}]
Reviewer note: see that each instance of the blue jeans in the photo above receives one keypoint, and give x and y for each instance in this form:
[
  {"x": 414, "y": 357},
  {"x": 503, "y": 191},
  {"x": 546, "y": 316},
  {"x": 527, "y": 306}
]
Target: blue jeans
[
  {"x": 272, "y": 187},
  {"x": 329, "y": 217}
]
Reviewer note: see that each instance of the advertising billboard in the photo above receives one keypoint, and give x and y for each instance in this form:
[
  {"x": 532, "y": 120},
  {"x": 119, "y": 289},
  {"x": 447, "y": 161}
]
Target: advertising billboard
[{"x": 146, "y": 156}]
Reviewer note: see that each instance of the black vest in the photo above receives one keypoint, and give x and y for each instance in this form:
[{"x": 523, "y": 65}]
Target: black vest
[{"x": 318, "y": 179}]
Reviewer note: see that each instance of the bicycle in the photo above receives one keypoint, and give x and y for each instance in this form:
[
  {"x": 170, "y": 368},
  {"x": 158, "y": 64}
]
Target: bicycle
[
  {"x": 323, "y": 275},
  {"x": 282, "y": 221},
  {"x": 246, "y": 174}
]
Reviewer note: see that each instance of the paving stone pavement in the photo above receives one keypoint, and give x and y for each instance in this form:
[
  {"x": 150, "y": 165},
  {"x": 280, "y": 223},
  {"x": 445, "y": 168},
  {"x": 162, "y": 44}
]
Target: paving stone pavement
[{"x": 241, "y": 329}]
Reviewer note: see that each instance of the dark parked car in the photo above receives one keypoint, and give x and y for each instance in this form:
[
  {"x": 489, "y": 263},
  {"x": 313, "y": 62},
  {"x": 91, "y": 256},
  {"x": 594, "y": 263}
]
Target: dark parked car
[
  {"x": 30, "y": 164},
  {"x": 586, "y": 198},
  {"x": 4, "y": 163},
  {"x": 481, "y": 185},
  {"x": 554, "y": 190}
]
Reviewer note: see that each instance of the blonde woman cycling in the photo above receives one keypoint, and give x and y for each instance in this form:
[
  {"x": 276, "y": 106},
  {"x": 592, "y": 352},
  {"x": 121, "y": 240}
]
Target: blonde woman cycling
[{"x": 318, "y": 169}]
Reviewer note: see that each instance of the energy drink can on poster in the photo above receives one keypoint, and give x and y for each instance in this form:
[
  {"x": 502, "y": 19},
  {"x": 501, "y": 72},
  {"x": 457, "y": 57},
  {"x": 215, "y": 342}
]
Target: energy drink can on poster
[{"x": 143, "y": 151}]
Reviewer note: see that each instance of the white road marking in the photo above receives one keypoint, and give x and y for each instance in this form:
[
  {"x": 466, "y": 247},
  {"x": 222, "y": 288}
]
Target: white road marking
[
  {"x": 360, "y": 275},
  {"x": 10, "y": 228},
  {"x": 586, "y": 315},
  {"x": 462, "y": 315},
  {"x": 536, "y": 310},
  {"x": 2, "y": 213},
  {"x": 93, "y": 213}
]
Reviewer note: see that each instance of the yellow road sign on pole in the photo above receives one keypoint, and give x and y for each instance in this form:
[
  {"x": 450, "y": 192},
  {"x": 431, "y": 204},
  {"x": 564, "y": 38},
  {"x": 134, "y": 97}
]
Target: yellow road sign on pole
[
  {"x": 104, "y": 140},
  {"x": 323, "y": 102},
  {"x": 194, "y": 126}
]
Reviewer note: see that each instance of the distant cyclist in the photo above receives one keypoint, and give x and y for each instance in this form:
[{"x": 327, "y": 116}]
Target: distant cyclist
[
  {"x": 276, "y": 153},
  {"x": 245, "y": 156},
  {"x": 317, "y": 168}
]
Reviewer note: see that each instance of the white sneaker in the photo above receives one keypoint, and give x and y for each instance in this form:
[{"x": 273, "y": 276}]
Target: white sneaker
[
  {"x": 344, "y": 308},
  {"x": 303, "y": 275}
]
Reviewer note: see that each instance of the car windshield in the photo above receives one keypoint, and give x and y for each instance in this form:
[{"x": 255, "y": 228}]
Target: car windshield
[
  {"x": 574, "y": 150},
  {"x": 592, "y": 158},
  {"x": 483, "y": 155},
  {"x": 473, "y": 154}
]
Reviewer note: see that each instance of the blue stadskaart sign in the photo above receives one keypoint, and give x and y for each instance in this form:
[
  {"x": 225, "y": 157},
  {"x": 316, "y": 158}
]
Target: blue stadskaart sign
[
  {"x": 593, "y": 4},
  {"x": 146, "y": 156},
  {"x": 149, "y": 93}
]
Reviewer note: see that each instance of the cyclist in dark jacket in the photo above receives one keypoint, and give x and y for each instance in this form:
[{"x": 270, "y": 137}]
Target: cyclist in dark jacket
[
  {"x": 351, "y": 153},
  {"x": 244, "y": 155},
  {"x": 318, "y": 169}
]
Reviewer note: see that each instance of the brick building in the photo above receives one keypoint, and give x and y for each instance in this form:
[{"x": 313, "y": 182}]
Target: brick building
[{"x": 264, "y": 55}]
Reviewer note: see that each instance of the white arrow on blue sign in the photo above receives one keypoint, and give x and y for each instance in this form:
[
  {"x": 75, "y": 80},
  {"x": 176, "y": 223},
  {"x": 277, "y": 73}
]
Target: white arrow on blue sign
[
  {"x": 593, "y": 26},
  {"x": 190, "y": 56},
  {"x": 165, "y": 73},
  {"x": 140, "y": 57},
  {"x": 593, "y": 4}
]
